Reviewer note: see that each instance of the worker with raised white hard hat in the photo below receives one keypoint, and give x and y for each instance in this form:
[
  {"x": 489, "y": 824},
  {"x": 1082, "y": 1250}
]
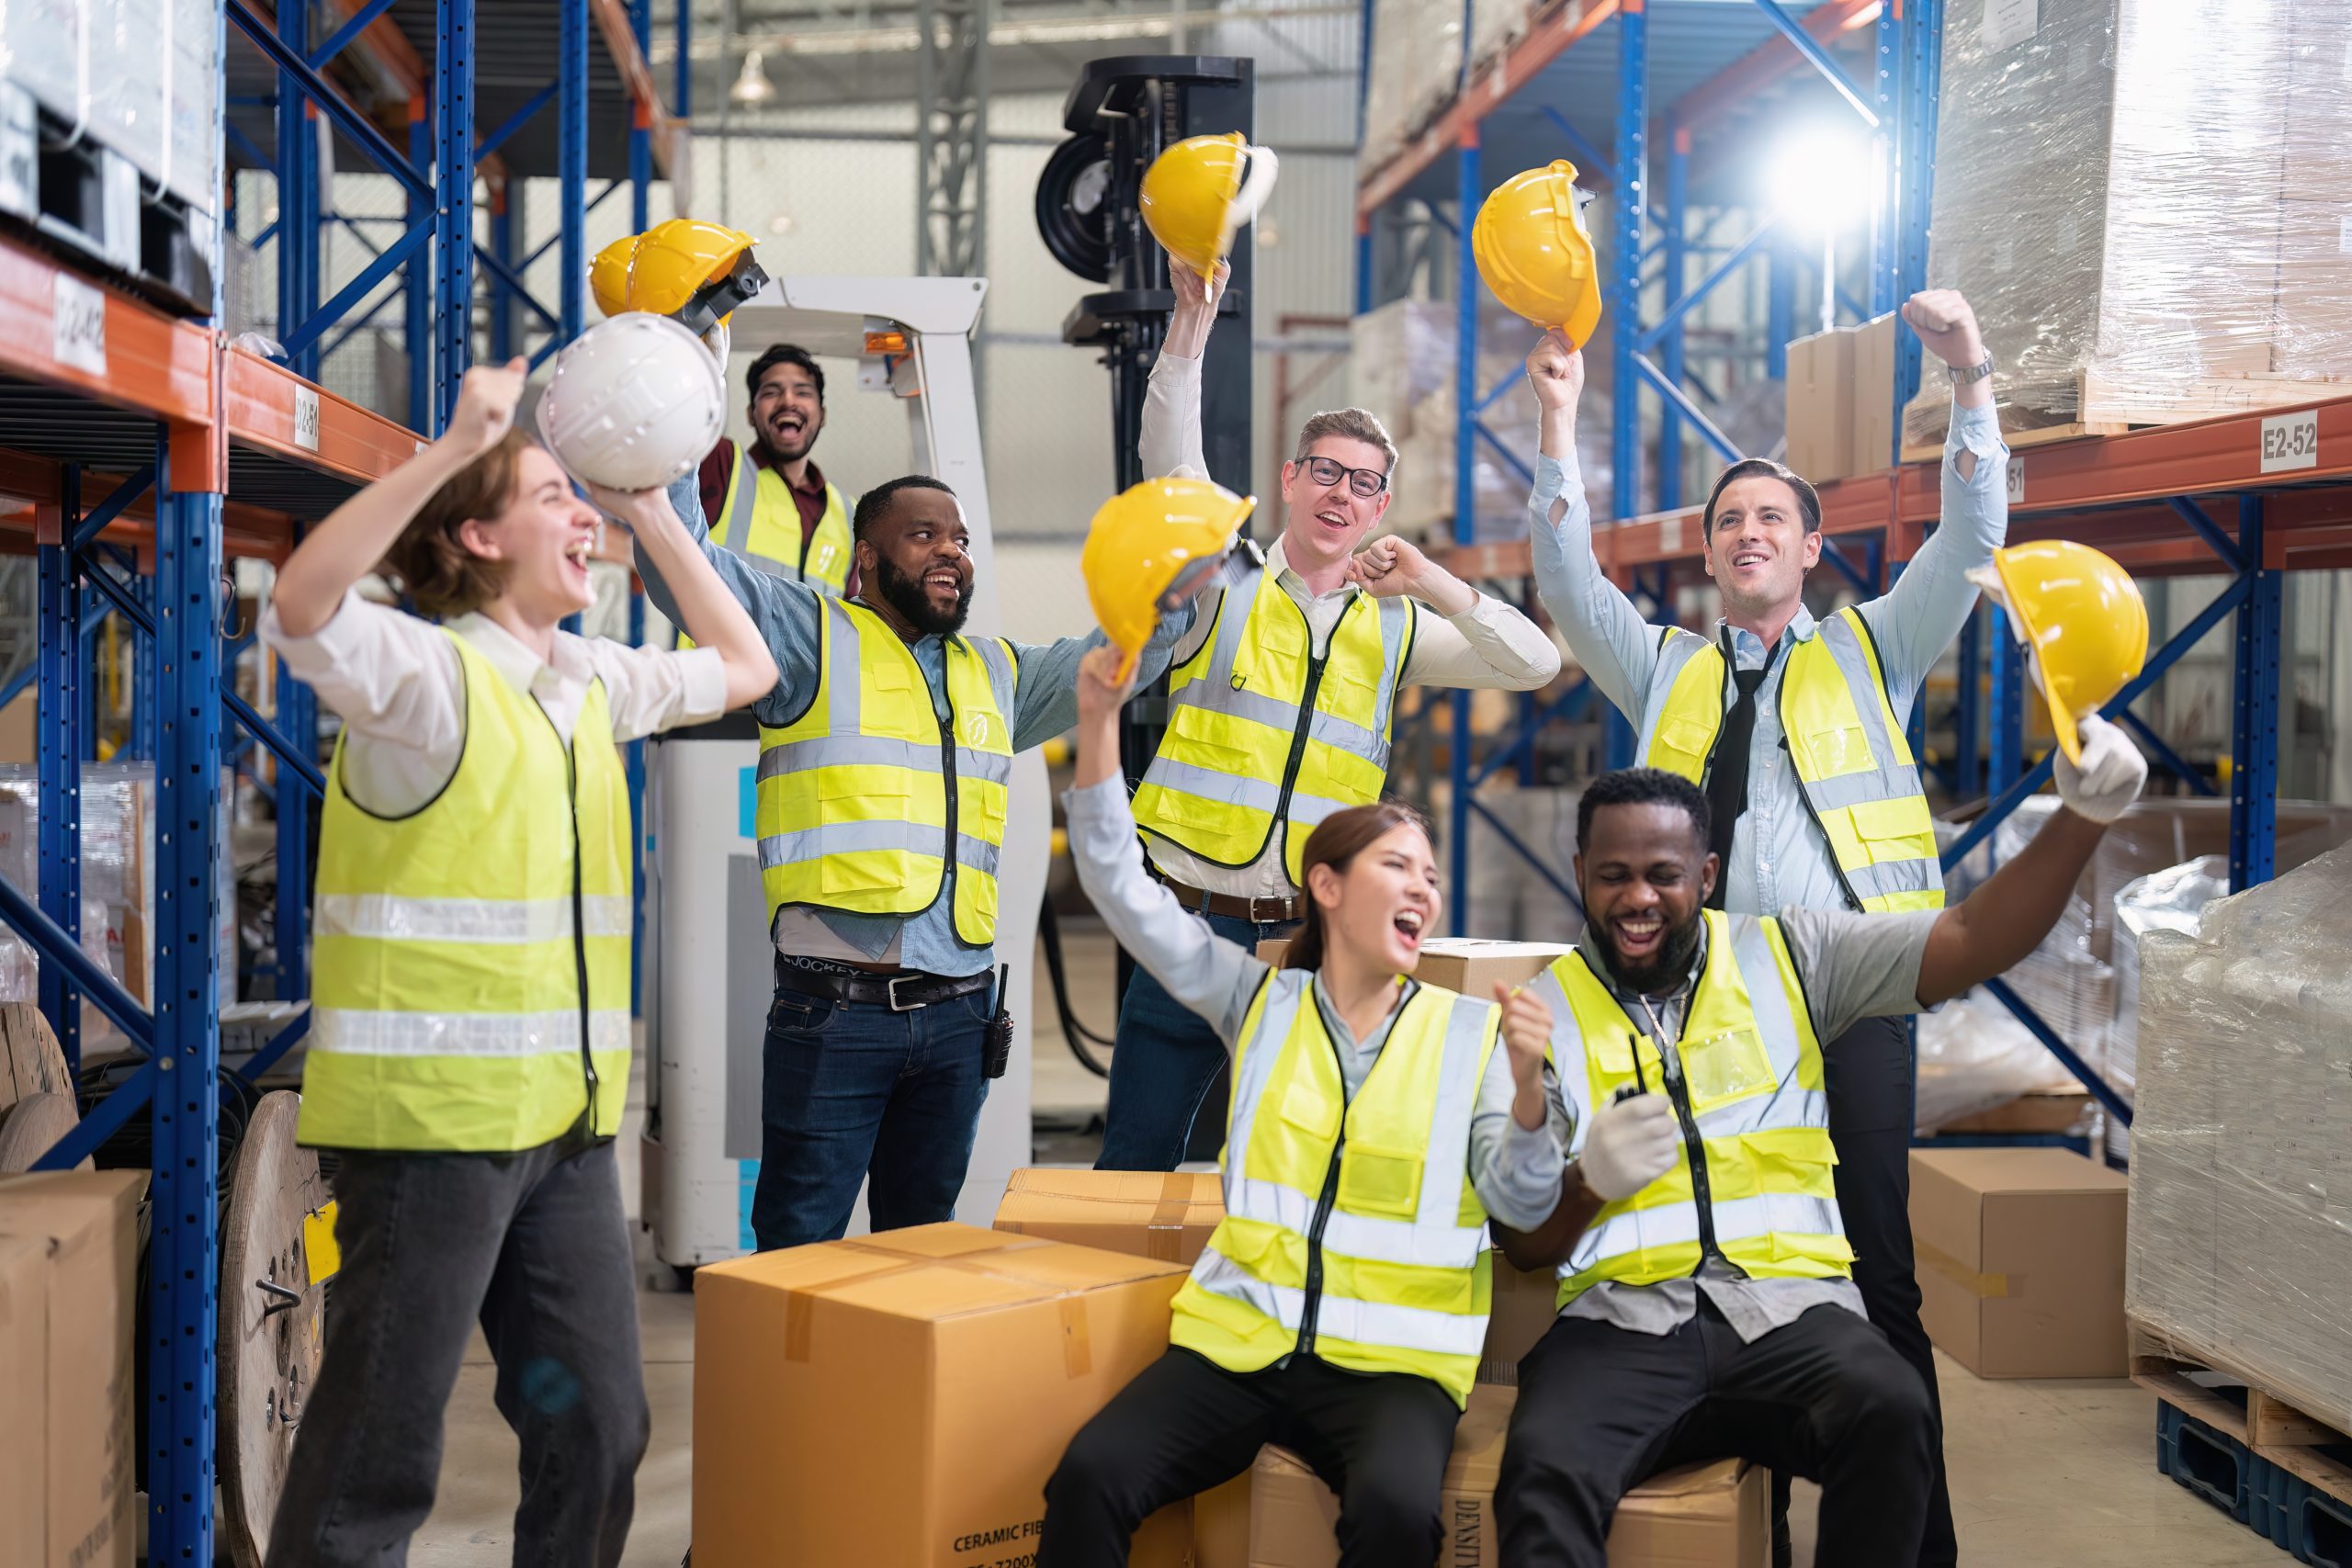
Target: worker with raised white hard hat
[
  {"x": 469, "y": 1049},
  {"x": 1706, "y": 1307},
  {"x": 886, "y": 752},
  {"x": 1281, "y": 702},
  {"x": 1794, "y": 728}
]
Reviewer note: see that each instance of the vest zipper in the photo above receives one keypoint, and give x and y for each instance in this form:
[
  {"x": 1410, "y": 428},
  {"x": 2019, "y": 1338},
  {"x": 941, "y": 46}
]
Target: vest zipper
[
  {"x": 947, "y": 770},
  {"x": 1323, "y": 1203},
  {"x": 1298, "y": 740}
]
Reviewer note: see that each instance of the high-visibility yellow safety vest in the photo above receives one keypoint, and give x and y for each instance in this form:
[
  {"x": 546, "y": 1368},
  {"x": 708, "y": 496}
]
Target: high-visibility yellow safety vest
[
  {"x": 1853, "y": 764},
  {"x": 1262, "y": 731},
  {"x": 869, "y": 796},
  {"x": 761, "y": 522},
  {"x": 471, "y": 977},
  {"x": 1748, "y": 1093},
  {"x": 1352, "y": 1230}
]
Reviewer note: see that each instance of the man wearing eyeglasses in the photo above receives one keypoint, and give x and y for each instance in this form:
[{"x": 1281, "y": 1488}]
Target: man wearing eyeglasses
[{"x": 1281, "y": 704}]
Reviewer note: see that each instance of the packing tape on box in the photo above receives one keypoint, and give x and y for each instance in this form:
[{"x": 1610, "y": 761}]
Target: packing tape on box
[
  {"x": 800, "y": 1304},
  {"x": 1983, "y": 1286},
  {"x": 1164, "y": 1232}
]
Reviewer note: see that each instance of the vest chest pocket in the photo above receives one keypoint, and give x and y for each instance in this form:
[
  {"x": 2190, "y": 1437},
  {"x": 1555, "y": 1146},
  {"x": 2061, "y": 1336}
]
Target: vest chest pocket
[
  {"x": 1726, "y": 1068},
  {"x": 1348, "y": 691},
  {"x": 1681, "y": 745},
  {"x": 1612, "y": 1062},
  {"x": 1894, "y": 830},
  {"x": 1375, "y": 1180},
  {"x": 1311, "y": 1109}
]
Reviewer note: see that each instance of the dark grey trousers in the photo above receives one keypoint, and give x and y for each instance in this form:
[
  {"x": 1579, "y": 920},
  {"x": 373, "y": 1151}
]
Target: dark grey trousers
[{"x": 534, "y": 1245}]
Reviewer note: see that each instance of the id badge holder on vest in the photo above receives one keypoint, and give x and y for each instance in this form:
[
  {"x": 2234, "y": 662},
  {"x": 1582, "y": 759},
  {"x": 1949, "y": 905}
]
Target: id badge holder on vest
[{"x": 1724, "y": 1068}]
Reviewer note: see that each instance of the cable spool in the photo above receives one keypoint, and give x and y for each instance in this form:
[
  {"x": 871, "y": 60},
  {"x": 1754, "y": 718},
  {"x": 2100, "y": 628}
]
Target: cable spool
[
  {"x": 32, "y": 1061},
  {"x": 276, "y": 1255},
  {"x": 31, "y": 1127}
]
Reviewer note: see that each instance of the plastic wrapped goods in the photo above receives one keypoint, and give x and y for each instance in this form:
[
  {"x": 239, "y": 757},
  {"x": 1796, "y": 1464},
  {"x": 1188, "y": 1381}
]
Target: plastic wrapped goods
[
  {"x": 2173, "y": 899},
  {"x": 2143, "y": 200},
  {"x": 2241, "y": 1230},
  {"x": 1419, "y": 61},
  {"x": 1974, "y": 1055}
]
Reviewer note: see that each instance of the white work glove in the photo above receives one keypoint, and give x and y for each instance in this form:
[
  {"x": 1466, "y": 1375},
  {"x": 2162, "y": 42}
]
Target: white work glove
[
  {"x": 1633, "y": 1142},
  {"x": 2109, "y": 777},
  {"x": 720, "y": 341}
]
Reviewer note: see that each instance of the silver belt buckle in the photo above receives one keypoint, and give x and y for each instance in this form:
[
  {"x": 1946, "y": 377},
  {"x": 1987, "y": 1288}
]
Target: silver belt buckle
[
  {"x": 891, "y": 987},
  {"x": 1281, "y": 911}
]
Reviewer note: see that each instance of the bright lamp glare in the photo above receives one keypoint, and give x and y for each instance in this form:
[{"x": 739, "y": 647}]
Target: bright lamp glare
[{"x": 1820, "y": 181}]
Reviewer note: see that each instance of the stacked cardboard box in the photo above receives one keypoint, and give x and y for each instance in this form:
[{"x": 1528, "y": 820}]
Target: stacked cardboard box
[
  {"x": 1709, "y": 1516},
  {"x": 2132, "y": 261},
  {"x": 2241, "y": 1253},
  {"x": 2020, "y": 1257},
  {"x": 903, "y": 1398},
  {"x": 1841, "y": 401},
  {"x": 1165, "y": 1215},
  {"x": 69, "y": 1256}
]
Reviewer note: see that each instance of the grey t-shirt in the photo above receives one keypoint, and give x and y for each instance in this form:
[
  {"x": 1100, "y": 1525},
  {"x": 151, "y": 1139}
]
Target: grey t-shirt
[{"x": 1853, "y": 967}]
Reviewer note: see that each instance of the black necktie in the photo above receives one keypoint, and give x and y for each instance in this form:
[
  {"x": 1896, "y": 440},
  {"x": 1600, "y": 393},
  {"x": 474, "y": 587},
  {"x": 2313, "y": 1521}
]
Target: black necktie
[{"x": 1727, "y": 776}]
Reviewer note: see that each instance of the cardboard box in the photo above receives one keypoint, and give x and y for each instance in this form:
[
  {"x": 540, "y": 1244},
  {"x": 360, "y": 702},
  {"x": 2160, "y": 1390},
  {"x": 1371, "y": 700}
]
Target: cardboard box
[
  {"x": 68, "y": 1437},
  {"x": 1167, "y": 1215},
  {"x": 2022, "y": 1260},
  {"x": 1524, "y": 1307},
  {"x": 1709, "y": 1516},
  {"x": 1221, "y": 1525},
  {"x": 1874, "y": 415},
  {"x": 1468, "y": 964},
  {"x": 2060, "y": 1113},
  {"x": 1821, "y": 406},
  {"x": 903, "y": 1398}
]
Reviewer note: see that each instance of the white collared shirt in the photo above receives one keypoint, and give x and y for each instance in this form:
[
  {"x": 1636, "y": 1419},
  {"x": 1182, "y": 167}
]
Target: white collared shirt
[{"x": 397, "y": 685}]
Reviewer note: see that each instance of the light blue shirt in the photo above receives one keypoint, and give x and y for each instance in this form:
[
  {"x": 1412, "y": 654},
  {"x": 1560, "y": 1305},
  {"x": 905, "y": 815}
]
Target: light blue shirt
[
  {"x": 1778, "y": 858},
  {"x": 790, "y": 617}
]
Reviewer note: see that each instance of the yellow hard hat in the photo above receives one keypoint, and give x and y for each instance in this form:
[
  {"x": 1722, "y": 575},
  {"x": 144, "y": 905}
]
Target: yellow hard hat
[
  {"x": 1152, "y": 546},
  {"x": 608, "y": 275},
  {"x": 1532, "y": 250},
  {"x": 1198, "y": 193},
  {"x": 694, "y": 272},
  {"x": 2081, "y": 615}
]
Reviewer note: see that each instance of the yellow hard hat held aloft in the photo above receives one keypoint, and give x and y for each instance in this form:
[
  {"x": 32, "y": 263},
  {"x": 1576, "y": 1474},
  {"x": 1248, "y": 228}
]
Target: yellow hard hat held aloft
[
  {"x": 1152, "y": 546},
  {"x": 1198, "y": 193},
  {"x": 2081, "y": 617},
  {"x": 694, "y": 272},
  {"x": 1534, "y": 252},
  {"x": 608, "y": 275}
]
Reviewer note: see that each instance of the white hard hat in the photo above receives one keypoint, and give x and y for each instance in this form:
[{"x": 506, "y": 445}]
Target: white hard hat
[{"x": 634, "y": 403}]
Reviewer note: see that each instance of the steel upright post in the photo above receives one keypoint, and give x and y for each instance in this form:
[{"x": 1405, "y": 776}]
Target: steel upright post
[
  {"x": 640, "y": 120},
  {"x": 298, "y": 237},
  {"x": 2004, "y": 744},
  {"x": 1674, "y": 244},
  {"x": 502, "y": 298},
  {"x": 453, "y": 175},
  {"x": 571, "y": 166},
  {"x": 1631, "y": 194},
  {"x": 2254, "y": 748},
  {"x": 1468, "y": 191},
  {"x": 60, "y": 707},
  {"x": 298, "y": 720},
  {"x": 416, "y": 287}
]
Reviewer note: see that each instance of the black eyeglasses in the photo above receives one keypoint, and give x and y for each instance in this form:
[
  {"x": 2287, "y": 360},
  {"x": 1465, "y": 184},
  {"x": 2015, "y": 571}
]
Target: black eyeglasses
[{"x": 1365, "y": 483}]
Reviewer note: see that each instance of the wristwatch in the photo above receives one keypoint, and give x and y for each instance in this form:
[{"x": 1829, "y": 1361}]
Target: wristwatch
[{"x": 1973, "y": 374}]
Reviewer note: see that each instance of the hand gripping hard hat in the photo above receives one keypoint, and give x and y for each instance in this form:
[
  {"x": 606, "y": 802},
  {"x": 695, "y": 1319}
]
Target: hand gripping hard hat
[
  {"x": 634, "y": 403},
  {"x": 2082, "y": 617},
  {"x": 1198, "y": 193},
  {"x": 1152, "y": 546},
  {"x": 1532, "y": 250},
  {"x": 693, "y": 272},
  {"x": 608, "y": 275}
]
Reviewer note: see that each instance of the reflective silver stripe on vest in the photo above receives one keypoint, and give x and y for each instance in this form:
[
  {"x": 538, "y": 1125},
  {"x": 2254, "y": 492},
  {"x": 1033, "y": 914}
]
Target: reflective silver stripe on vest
[
  {"x": 743, "y": 500},
  {"x": 1567, "y": 1058},
  {"x": 386, "y": 917},
  {"x": 851, "y": 751},
  {"x": 1359, "y": 1235},
  {"x": 1677, "y": 1225},
  {"x": 359, "y": 1032},
  {"x": 1457, "y": 1097},
  {"x": 1349, "y": 1318},
  {"x": 1253, "y": 1069},
  {"x": 1209, "y": 783}
]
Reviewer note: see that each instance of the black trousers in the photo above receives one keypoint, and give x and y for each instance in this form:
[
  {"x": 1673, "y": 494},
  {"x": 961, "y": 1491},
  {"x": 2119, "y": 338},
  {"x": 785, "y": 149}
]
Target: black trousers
[
  {"x": 534, "y": 1245},
  {"x": 1186, "y": 1425},
  {"x": 1870, "y": 1109},
  {"x": 1601, "y": 1409}
]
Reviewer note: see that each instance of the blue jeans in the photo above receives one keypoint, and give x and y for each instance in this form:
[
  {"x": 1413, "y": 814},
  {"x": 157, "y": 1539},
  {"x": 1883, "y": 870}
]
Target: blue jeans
[
  {"x": 854, "y": 1090},
  {"x": 1165, "y": 1065}
]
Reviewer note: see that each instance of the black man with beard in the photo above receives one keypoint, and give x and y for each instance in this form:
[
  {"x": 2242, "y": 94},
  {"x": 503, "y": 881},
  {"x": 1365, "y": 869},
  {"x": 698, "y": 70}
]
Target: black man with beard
[{"x": 884, "y": 719}]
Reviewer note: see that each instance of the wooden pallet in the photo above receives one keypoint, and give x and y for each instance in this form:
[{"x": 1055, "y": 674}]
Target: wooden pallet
[
  {"x": 2110, "y": 408},
  {"x": 2269, "y": 1424}
]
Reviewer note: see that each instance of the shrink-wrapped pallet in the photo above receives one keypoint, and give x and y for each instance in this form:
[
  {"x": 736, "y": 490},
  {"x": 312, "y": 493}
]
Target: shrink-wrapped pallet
[
  {"x": 2143, "y": 200},
  {"x": 2241, "y": 1228}
]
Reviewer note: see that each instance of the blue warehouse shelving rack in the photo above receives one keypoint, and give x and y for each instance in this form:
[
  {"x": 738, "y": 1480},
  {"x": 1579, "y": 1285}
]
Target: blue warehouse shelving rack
[
  {"x": 2183, "y": 499},
  {"x": 147, "y": 452}
]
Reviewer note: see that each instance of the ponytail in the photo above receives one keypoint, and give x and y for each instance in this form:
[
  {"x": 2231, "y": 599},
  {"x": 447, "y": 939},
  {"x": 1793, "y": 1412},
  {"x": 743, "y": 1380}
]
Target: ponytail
[{"x": 1336, "y": 842}]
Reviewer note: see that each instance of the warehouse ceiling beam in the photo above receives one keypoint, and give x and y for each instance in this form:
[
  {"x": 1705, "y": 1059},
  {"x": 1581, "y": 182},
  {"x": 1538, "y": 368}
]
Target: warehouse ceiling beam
[{"x": 1744, "y": 78}]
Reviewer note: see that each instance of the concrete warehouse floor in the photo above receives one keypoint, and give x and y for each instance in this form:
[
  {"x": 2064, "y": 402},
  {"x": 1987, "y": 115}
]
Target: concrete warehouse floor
[{"x": 2057, "y": 1473}]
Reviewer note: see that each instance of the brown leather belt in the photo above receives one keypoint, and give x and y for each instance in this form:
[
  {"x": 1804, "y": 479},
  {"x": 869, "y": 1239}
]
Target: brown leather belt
[{"x": 1257, "y": 911}]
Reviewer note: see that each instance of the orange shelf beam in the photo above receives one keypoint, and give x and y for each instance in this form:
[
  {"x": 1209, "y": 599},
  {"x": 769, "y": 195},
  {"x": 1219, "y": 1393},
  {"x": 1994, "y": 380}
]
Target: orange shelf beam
[
  {"x": 265, "y": 407},
  {"x": 62, "y": 329}
]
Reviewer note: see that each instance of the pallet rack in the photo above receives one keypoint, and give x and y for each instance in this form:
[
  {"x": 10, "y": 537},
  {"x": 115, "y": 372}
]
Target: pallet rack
[
  {"x": 148, "y": 452},
  {"x": 2144, "y": 496}
]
